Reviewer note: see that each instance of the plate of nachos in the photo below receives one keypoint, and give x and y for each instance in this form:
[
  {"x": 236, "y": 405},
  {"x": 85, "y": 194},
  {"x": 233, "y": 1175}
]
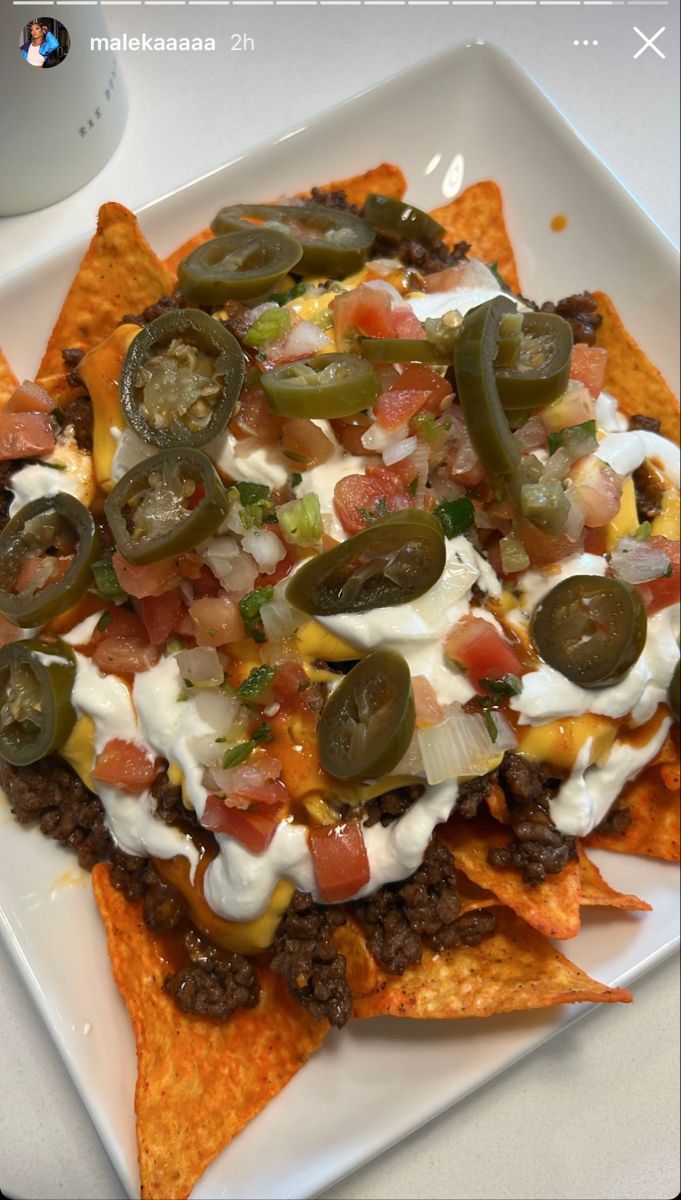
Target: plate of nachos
[{"x": 339, "y": 595}]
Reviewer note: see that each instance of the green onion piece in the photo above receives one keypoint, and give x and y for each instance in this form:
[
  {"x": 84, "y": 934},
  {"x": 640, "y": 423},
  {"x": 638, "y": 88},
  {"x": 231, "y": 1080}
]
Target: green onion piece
[
  {"x": 514, "y": 556},
  {"x": 490, "y": 724},
  {"x": 272, "y": 324},
  {"x": 106, "y": 579},
  {"x": 256, "y": 682},
  {"x": 546, "y": 505},
  {"x": 580, "y": 438},
  {"x": 240, "y": 752},
  {"x": 301, "y": 520},
  {"x": 643, "y": 532},
  {"x": 455, "y": 516},
  {"x": 505, "y": 685},
  {"x": 250, "y": 606}
]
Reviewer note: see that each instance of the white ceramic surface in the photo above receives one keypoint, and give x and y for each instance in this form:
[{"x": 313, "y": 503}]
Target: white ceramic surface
[{"x": 451, "y": 108}]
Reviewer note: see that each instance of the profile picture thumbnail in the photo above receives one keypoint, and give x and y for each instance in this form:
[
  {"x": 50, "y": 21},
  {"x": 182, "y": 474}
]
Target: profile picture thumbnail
[{"x": 44, "y": 42}]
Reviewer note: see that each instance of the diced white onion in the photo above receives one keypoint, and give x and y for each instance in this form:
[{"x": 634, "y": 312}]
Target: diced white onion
[
  {"x": 506, "y": 738},
  {"x": 557, "y": 466},
  {"x": 304, "y": 340},
  {"x": 419, "y": 458},
  {"x": 459, "y": 746},
  {"x": 378, "y": 439},
  {"x": 265, "y": 547},
  {"x": 206, "y": 750},
  {"x": 280, "y": 619},
  {"x": 400, "y": 450},
  {"x": 217, "y": 709},
  {"x": 201, "y": 666},
  {"x": 637, "y": 562},
  {"x": 235, "y": 569}
]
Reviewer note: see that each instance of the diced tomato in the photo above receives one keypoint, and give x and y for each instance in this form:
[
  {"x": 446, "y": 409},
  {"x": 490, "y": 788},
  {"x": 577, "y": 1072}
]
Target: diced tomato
[
  {"x": 289, "y": 681},
  {"x": 124, "y": 656},
  {"x": 340, "y": 860},
  {"x": 126, "y": 765},
  {"x": 150, "y": 580},
  {"x": 423, "y": 378},
  {"x": 428, "y": 709},
  {"x": 254, "y": 782},
  {"x": 361, "y": 499},
  {"x": 544, "y": 549},
  {"x": 122, "y": 624},
  {"x": 588, "y": 367},
  {"x": 395, "y": 408},
  {"x": 597, "y": 489},
  {"x": 595, "y": 541},
  {"x": 660, "y": 593},
  {"x": 254, "y": 417},
  {"x": 196, "y": 496},
  {"x": 29, "y": 397},
  {"x": 25, "y": 435},
  {"x": 305, "y": 444},
  {"x": 349, "y": 432},
  {"x": 254, "y": 830},
  {"x": 206, "y": 583},
  {"x": 405, "y": 322},
  {"x": 366, "y": 309},
  {"x": 9, "y": 632},
  {"x": 216, "y": 620},
  {"x": 477, "y": 646},
  {"x": 161, "y": 614}
]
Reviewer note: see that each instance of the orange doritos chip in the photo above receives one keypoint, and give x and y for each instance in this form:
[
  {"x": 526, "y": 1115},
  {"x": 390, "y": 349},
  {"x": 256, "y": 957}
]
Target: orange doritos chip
[
  {"x": 8, "y": 380},
  {"x": 119, "y": 274},
  {"x": 387, "y": 179},
  {"x": 477, "y": 216},
  {"x": 361, "y": 967},
  {"x": 191, "y": 1068},
  {"x": 551, "y": 907},
  {"x": 655, "y": 826},
  {"x": 515, "y": 969},
  {"x": 596, "y": 892},
  {"x": 631, "y": 376}
]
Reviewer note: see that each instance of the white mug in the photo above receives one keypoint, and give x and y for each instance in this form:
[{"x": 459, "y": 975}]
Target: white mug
[{"x": 62, "y": 104}]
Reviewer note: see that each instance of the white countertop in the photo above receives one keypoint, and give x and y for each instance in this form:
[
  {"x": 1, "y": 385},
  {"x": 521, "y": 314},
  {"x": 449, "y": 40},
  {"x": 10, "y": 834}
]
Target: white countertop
[{"x": 594, "y": 1113}]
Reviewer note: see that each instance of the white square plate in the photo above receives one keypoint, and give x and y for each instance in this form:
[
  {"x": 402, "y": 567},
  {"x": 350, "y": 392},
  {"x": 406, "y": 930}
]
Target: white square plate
[{"x": 469, "y": 114}]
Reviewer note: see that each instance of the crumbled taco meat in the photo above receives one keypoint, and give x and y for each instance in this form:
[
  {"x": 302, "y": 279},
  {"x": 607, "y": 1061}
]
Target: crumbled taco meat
[
  {"x": 165, "y": 304},
  {"x": 79, "y": 416},
  {"x": 387, "y": 808},
  {"x": 169, "y": 806},
  {"x": 641, "y": 421},
  {"x": 216, "y": 982},
  {"x": 424, "y": 909},
  {"x": 473, "y": 793},
  {"x": 538, "y": 849},
  {"x": 649, "y": 486},
  {"x": 617, "y": 819},
  {"x": 581, "y": 313},
  {"x": 305, "y": 954}
]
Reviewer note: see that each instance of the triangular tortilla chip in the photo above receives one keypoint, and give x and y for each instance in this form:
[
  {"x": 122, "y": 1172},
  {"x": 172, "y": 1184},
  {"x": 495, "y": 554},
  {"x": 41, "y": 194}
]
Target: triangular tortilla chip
[
  {"x": 361, "y": 966},
  {"x": 119, "y": 274},
  {"x": 551, "y": 907},
  {"x": 477, "y": 216},
  {"x": 595, "y": 891},
  {"x": 515, "y": 969},
  {"x": 385, "y": 179},
  {"x": 655, "y": 827},
  {"x": 199, "y": 1083},
  {"x": 8, "y": 380},
  {"x": 631, "y": 376}
]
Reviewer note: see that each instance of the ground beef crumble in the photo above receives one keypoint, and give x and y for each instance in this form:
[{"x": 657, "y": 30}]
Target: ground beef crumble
[
  {"x": 391, "y": 805},
  {"x": 305, "y": 955},
  {"x": 163, "y": 305},
  {"x": 169, "y": 806},
  {"x": 641, "y": 421},
  {"x": 538, "y": 849},
  {"x": 649, "y": 489},
  {"x": 581, "y": 313},
  {"x": 215, "y": 982},
  {"x": 400, "y": 918},
  {"x": 473, "y": 793},
  {"x": 79, "y": 416}
]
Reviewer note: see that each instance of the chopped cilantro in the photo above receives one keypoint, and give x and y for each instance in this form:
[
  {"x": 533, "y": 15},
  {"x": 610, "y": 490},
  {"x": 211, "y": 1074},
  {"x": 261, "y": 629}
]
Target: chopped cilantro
[
  {"x": 299, "y": 289},
  {"x": 376, "y": 513},
  {"x": 643, "y": 532},
  {"x": 250, "y": 606},
  {"x": 504, "y": 685},
  {"x": 106, "y": 579},
  {"x": 455, "y": 516},
  {"x": 252, "y": 493},
  {"x": 256, "y": 683},
  {"x": 295, "y": 457},
  {"x": 239, "y": 753},
  {"x": 571, "y": 436},
  {"x": 490, "y": 724},
  {"x": 295, "y": 479},
  {"x": 105, "y": 619}
]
